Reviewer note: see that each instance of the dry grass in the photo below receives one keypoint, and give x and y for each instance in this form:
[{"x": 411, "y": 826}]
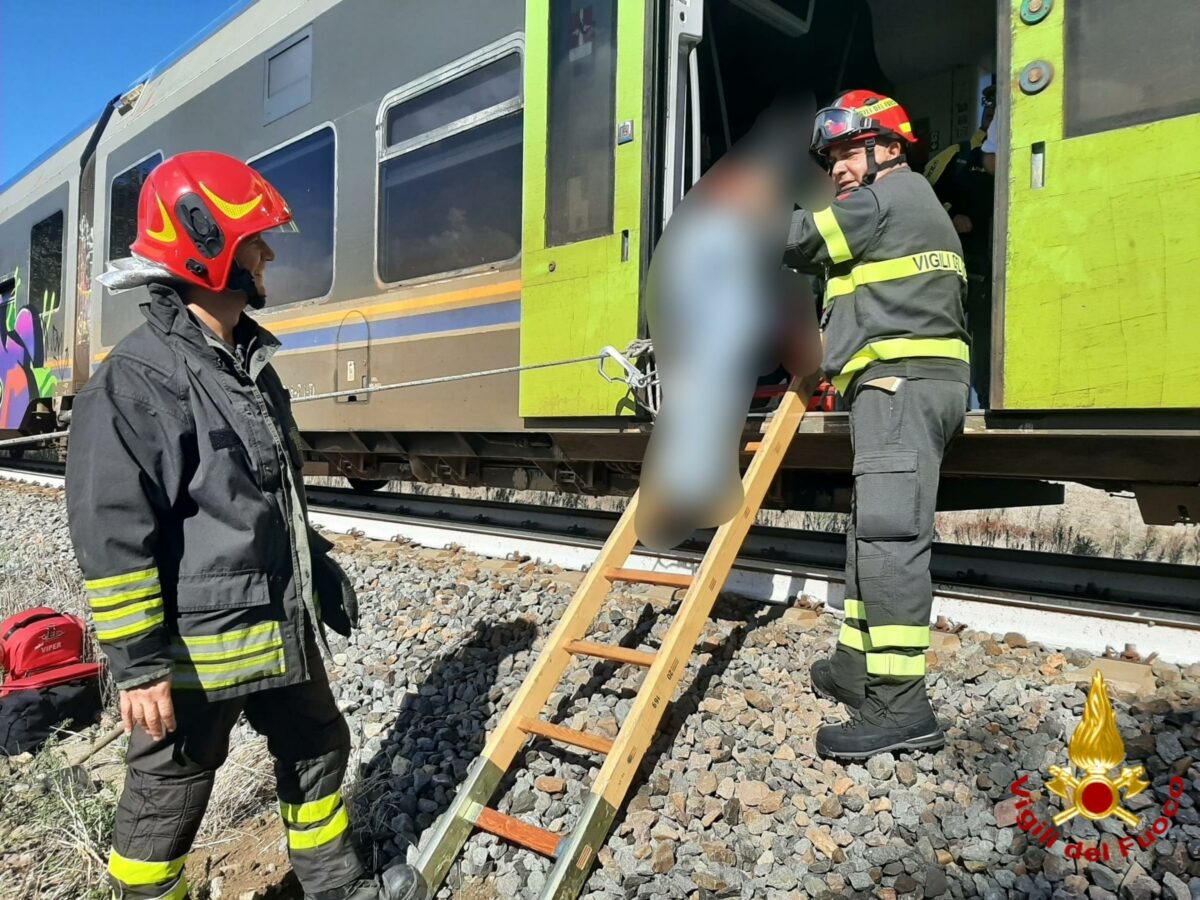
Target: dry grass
[
  {"x": 245, "y": 788},
  {"x": 59, "y": 849},
  {"x": 54, "y": 829},
  {"x": 57, "y": 583},
  {"x": 1089, "y": 523},
  {"x": 50, "y": 582}
]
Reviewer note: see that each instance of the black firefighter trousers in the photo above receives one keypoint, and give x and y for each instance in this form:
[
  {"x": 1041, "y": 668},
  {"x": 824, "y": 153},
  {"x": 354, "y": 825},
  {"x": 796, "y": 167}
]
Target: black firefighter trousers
[
  {"x": 900, "y": 429},
  {"x": 169, "y": 781}
]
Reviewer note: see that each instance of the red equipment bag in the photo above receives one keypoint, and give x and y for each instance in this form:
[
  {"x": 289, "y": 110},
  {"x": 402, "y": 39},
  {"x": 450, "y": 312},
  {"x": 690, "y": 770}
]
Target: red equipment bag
[
  {"x": 41, "y": 648},
  {"x": 824, "y": 398}
]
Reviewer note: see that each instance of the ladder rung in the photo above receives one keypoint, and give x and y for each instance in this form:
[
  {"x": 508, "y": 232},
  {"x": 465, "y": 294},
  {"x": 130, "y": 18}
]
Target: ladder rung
[
  {"x": 752, "y": 447},
  {"x": 517, "y": 832},
  {"x": 607, "y": 651},
  {"x": 640, "y": 576},
  {"x": 564, "y": 735}
]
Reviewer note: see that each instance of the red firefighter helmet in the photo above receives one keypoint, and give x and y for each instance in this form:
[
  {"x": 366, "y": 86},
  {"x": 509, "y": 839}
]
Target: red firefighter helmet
[
  {"x": 196, "y": 208},
  {"x": 861, "y": 116}
]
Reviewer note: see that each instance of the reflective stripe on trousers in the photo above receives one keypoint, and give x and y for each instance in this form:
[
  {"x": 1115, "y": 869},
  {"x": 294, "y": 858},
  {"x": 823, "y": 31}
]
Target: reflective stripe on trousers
[
  {"x": 900, "y": 428},
  {"x": 314, "y": 824},
  {"x": 166, "y": 789},
  {"x": 880, "y": 644},
  {"x": 149, "y": 879}
]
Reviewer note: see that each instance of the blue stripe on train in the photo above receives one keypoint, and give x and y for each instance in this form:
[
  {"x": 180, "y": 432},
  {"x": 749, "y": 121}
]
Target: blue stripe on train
[
  {"x": 355, "y": 329},
  {"x": 505, "y": 313}
]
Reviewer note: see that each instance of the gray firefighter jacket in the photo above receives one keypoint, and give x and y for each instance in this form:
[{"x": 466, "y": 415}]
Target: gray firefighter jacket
[
  {"x": 895, "y": 280},
  {"x": 187, "y": 512}
]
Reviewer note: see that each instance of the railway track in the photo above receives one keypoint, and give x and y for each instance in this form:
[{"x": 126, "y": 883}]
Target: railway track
[{"x": 1085, "y": 602}]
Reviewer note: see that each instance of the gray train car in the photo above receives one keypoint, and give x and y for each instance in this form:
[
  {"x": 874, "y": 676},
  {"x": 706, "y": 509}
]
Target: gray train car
[{"x": 480, "y": 185}]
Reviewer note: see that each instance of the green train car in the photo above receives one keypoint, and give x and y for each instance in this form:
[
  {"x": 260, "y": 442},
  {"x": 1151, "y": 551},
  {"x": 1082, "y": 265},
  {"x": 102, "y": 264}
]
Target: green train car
[{"x": 480, "y": 186}]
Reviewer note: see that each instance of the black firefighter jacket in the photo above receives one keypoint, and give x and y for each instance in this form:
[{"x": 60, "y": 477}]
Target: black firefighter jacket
[
  {"x": 186, "y": 509},
  {"x": 895, "y": 280}
]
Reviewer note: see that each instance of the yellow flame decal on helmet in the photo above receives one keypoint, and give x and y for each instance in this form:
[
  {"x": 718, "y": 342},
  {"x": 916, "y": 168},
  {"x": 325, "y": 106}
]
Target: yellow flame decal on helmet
[
  {"x": 233, "y": 210},
  {"x": 167, "y": 233}
]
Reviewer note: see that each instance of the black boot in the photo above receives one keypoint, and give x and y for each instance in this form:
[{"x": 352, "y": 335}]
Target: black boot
[
  {"x": 403, "y": 882},
  {"x": 895, "y": 715},
  {"x": 364, "y": 888},
  {"x": 859, "y": 739},
  {"x": 400, "y": 882},
  {"x": 824, "y": 684}
]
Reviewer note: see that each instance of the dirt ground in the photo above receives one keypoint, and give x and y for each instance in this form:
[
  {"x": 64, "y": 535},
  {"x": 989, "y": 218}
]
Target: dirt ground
[{"x": 250, "y": 861}]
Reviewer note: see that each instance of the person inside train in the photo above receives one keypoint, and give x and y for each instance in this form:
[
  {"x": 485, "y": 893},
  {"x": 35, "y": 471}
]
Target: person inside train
[
  {"x": 966, "y": 185},
  {"x": 895, "y": 346},
  {"x": 186, "y": 507}
]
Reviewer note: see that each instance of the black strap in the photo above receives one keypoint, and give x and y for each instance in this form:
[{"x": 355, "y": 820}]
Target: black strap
[
  {"x": 874, "y": 168},
  {"x": 46, "y": 615}
]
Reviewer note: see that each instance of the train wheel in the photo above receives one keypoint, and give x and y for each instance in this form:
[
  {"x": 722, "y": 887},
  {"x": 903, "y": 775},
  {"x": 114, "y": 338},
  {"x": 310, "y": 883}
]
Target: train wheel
[{"x": 367, "y": 485}]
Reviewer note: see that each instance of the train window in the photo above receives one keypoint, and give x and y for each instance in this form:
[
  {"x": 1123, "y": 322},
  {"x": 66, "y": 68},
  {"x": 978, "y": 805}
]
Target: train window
[
  {"x": 288, "y": 76},
  {"x": 1111, "y": 81},
  {"x": 119, "y": 315},
  {"x": 450, "y": 172},
  {"x": 123, "y": 206},
  {"x": 303, "y": 171},
  {"x": 476, "y": 92},
  {"x": 580, "y": 165},
  {"x": 46, "y": 278}
]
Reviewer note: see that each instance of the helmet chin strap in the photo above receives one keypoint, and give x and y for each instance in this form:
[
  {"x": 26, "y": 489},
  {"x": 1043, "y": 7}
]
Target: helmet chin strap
[
  {"x": 240, "y": 279},
  {"x": 874, "y": 168}
]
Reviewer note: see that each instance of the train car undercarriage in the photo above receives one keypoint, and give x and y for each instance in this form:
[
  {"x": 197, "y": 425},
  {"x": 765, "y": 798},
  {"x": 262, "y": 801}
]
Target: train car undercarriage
[{"x": 1001, "y": 459}]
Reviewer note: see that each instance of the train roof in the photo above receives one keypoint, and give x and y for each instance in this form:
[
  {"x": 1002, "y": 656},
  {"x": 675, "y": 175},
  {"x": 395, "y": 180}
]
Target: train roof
[{"x": 77, "y": 137}]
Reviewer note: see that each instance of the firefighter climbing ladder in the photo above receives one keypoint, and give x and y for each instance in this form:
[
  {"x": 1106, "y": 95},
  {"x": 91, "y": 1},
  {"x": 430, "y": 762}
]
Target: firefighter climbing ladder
[{"x": 574, "y": 853}]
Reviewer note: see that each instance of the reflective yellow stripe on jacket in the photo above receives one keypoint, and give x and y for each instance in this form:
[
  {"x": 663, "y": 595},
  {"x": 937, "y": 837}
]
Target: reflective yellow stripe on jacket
[
  {"x": 900, "y": 348},
  {"x": 210, "y": 662},
  {"x": 835, "y": 239},
  {"x": 125, "y": 606},
  {"x": 927, "y": 263}
]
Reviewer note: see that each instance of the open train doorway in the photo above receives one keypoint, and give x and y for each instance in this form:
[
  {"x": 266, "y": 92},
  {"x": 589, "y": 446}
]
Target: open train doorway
[{"x": 941, "y": 68}]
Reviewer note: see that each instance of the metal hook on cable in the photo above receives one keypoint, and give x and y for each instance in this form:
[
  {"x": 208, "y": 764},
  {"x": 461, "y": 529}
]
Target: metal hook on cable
[{"x": 643, "y": 384}]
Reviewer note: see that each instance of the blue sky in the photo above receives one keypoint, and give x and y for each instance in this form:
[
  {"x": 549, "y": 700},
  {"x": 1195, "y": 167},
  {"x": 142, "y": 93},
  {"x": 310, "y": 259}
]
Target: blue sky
[{"x": 62, "y": 60}]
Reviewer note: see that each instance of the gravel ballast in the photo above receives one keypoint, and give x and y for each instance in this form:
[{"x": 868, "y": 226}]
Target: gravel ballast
[{"x": 731, "y": 800}]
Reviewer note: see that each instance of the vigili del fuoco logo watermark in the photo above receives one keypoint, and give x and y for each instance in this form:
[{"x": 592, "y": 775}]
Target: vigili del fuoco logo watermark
[{"x": 1096, "y": 749}]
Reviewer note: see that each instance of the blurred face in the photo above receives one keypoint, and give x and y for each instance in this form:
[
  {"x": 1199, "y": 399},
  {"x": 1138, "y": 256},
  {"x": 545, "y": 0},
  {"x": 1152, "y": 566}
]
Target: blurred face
[
  {"x": 850, "y": 162},
  {"x": 253, "y": 254}
]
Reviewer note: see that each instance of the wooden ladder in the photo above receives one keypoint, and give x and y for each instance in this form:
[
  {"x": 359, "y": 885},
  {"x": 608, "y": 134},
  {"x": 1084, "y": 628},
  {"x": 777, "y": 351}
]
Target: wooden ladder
[{"x": 575, "y": 853}]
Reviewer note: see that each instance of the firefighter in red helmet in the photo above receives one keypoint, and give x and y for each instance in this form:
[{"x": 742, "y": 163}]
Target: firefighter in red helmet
[
  {"x": 895, "y": 346},
  {"x": 208, "y": 589}
]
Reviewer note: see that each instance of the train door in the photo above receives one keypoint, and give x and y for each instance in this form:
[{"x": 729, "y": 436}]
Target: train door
[
  {"x": 1103, "y": 183},
  {"x": 81, "y": 349},
  {"x": 352, "y": 365},
  {"x": 584, "y": 134}
]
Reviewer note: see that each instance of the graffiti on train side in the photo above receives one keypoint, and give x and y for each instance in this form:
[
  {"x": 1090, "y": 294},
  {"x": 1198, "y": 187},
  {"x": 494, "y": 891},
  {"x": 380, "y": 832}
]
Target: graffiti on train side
[
  {"x": 83, "y": 285},
  {"x": 24, "y": 378}
]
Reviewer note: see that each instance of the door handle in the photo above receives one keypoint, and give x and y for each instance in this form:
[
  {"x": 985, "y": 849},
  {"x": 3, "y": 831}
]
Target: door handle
[{"x": 1037, "y": 165}]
